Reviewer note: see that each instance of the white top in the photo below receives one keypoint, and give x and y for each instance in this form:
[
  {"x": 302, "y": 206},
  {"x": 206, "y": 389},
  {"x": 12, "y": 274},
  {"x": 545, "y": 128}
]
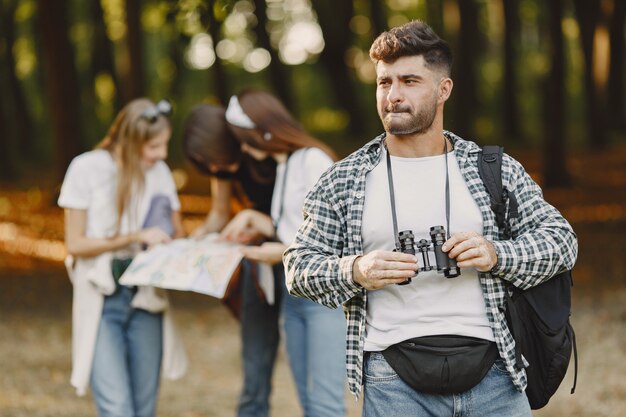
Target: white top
[
  {"x": 431, "y": 304},
  {"x": 90, "y": 184},
  {"x": 304, "y": 167}
]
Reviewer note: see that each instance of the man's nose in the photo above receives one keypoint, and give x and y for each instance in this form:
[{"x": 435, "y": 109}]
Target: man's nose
[{"x": 394, "y": 95}]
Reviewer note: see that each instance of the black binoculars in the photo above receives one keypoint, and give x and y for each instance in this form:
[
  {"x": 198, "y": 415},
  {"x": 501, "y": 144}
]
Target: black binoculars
[{"x": 445, "y": 265}]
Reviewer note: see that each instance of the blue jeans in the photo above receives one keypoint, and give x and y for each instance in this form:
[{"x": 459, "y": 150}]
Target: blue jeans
[
  {"x": 387, "y": 395},
  {"x": 127, "y": 360},
  {"x": 316, "y": 342},
  {"x": 259, "y": 339}
]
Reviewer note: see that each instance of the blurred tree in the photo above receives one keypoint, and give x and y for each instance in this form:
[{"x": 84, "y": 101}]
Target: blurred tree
[
  {"x": 134, "y": 83},
  {"x": 464, "y": 69},
  {"x": 220, "y": 80},
  {"x": 588, "y": 14},
  {"x": 177, "y": 46},
  {"x": 334, "y": 20},
  {"x": 434, "y": 12},
  {"x": 554, "y": 167},
  {"x": 278, "y": 73},
  {"x": 617, "y": 118},
  {"x": 19, "y": 113},
  {"x": 61, "y": 83},
  {"x": 8, "y": 169},
  {"x": 102, "y": 61},
  {"x": 378, "y": 16},
  {"x": 511, "y": 39}
]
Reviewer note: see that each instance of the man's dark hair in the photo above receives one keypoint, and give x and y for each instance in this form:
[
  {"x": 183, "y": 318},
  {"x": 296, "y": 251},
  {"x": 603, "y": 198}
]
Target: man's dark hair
[{"x": 411, "y": 39}]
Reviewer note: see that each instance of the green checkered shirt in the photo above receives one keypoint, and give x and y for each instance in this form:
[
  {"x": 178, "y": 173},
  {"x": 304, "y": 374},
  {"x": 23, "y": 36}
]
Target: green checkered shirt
[{"x": 319, "y": 262}]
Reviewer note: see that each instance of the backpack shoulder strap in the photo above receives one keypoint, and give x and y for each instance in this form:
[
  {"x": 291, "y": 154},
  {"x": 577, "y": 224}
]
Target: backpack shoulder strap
[{"x": 490, "y": 170}]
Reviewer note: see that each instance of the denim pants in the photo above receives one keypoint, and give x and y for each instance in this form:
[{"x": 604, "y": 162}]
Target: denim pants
[
  {"x": 316, "y": 342},
  {"x": 386, "y": 395},
  {"x": 127, "y": 360},
  {"x": 259, "y": 339}
]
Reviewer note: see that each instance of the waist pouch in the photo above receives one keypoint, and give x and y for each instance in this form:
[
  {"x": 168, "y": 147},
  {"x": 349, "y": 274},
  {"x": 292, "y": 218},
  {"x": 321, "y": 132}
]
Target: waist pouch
[
  {"x": 442, "y": 364},
  {"x": 118, "y": 267}
]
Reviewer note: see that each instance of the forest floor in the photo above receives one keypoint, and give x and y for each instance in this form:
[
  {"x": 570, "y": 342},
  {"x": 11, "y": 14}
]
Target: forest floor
[{"x": 35, "y": 310}]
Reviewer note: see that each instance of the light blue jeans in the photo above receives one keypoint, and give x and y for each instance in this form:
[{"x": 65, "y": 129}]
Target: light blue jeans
[
  {"x": 127, "y": 360},
  {"x": 259, "y": 339},
  {"x": 316, "y": 342},
  {"x": 386, "y": 395}
]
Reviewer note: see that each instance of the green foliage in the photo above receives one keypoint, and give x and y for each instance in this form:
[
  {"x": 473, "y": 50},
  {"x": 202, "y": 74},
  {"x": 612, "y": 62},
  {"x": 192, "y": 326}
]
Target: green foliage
[{"x": 189, "y": 47}]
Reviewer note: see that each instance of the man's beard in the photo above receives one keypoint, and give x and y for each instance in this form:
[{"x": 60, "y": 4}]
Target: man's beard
[{"x": 419, "y": 122}]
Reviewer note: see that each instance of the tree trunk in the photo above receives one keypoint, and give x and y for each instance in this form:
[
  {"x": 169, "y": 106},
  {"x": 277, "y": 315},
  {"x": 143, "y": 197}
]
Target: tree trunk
[
  {"x": 511, "y": 38},
  {"x": 334, "y": 20},
  {"x": 7, "y": 135},
  {"x": 60, "y": 78},
  {"x": 20, "y": 115},
  {"x": 467, "y": 50},
  {"x": 135, "y": 79},
  {"x": 587, "y": 15},
  {"x": 555, "y": 169},
  {"x": 434, "y": 11},
  {"x": 102, "y": 52},
  {"x": 279, "y": 76},
  {"x": 617, "y": 118},
  {"x": 220, "y": 79},
  {"x": 378, "y": 15}
]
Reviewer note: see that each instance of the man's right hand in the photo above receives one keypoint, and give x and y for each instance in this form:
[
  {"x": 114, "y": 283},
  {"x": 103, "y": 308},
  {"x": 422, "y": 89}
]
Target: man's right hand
[{"x": 380, "y": 268}]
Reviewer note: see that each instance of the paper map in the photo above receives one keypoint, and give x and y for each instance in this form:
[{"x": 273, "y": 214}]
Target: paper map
[{"x": 204, "y": 266}]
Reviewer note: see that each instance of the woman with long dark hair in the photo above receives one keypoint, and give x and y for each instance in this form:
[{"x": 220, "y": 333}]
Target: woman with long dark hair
[
  {"x": 315, "y": 336},
  {"x": 210, "y": 146}
]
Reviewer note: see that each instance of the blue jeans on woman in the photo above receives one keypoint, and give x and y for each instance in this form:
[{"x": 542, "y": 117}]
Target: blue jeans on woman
[
  {"x": 127, "y": 359},
  {"x": 386, "y": 395},
  {"x": 259, "y": 339},
  {"x": 316, "y": 342}
]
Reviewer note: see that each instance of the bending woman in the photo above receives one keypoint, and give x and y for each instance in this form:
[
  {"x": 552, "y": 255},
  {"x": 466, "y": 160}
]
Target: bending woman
[
  {"x": 121, "y": 335},
  {"x": 315, "y": 336},
  {"x": 213, "y": 150}
]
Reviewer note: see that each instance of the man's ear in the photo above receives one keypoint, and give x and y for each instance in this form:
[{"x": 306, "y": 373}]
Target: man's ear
[{"x": 445, "y": 89}]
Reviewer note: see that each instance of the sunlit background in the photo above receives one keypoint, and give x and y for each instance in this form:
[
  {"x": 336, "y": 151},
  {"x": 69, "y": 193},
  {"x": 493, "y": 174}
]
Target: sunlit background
[{"x": 545, "y": 79}]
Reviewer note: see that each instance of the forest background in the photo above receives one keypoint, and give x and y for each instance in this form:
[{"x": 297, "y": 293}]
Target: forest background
[{"x": 546, "y": 79}]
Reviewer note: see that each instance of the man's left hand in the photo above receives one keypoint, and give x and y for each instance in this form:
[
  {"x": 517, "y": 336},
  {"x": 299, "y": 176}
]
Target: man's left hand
[{"x": 471, "y": 250}]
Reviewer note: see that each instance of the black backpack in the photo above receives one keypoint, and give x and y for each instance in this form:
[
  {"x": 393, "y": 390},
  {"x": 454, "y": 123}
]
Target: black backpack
[{"x": 539, "y": 316}]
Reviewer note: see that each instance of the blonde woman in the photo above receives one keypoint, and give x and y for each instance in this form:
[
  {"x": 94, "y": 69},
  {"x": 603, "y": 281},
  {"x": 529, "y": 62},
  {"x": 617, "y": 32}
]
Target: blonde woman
[{"x": 122, "y": 336}]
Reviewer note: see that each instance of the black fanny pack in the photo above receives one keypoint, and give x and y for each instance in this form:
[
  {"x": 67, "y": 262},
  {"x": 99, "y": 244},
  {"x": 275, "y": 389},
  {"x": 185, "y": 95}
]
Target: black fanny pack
[{"x": 442, "y": 364}]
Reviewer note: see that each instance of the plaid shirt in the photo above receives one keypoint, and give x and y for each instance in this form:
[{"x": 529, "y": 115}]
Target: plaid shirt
[{"x": 319, "y": 262}]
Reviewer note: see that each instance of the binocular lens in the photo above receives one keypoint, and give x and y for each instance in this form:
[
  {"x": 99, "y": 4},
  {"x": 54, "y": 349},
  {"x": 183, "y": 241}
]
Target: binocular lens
[{"x": 445, "y": 265}]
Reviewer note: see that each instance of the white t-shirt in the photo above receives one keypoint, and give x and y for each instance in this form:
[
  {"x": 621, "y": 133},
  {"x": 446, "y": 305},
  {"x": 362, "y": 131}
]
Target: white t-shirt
[
  {"x": 431, "y": 304},
  {"x": 91, "y": 183},
  {"x": 304, "y": 167}
]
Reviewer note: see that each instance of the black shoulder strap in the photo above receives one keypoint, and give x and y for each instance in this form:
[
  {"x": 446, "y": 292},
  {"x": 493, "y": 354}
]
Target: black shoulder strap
[{"x": 490, "y": 170}]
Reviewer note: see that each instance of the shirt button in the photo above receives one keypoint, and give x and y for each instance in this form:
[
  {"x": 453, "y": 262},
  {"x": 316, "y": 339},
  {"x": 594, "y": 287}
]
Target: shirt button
[{"x": 359, "y": 194}]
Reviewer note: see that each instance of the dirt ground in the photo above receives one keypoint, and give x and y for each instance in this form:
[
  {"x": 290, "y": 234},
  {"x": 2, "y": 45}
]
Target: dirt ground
[{"x": 35, "y": 356}]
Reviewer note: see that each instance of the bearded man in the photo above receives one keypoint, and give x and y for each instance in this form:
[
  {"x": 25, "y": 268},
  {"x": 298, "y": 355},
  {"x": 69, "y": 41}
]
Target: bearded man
[{"x": 426, "y": 334}]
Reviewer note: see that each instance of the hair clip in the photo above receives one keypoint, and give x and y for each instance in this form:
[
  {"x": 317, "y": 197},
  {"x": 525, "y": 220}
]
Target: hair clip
[
  {"x": 152, "y": 113},
  {"x": 267, "y": 136},
  {"x": 236, "y": 116}
]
